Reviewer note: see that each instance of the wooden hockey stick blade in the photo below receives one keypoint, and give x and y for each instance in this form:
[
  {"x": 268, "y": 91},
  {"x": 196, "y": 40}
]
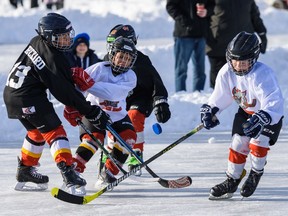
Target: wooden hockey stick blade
[{"x": 178, "y": 183}]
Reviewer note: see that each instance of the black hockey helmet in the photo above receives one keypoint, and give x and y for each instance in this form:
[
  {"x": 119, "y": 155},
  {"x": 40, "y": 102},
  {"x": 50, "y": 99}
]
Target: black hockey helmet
[
  {"x": 52, "y": 26},
  {"x": 244, "y": 46},
  {"x": 128, "y": 54},
  {"x": 126, "y": 31}
]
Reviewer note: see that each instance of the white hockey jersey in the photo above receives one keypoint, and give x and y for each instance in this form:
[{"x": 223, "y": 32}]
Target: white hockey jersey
[
  {"x": 257, "y": 90},
  {"x": 109, "y": 91}
]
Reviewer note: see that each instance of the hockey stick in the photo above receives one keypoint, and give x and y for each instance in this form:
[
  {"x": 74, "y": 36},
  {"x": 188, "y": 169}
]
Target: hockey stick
[
  {"x": 74, "y": 199},
  {"x": 178, "y": 183},
  {"x": 113, "y": 160}
]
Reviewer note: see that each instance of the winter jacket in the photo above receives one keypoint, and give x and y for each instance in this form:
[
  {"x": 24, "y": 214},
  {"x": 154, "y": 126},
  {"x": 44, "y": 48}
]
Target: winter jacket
[
  {"x": 229, "y": 18},
  {"x": 89, "y": 59},
  {"x": 187, "y": 22}
]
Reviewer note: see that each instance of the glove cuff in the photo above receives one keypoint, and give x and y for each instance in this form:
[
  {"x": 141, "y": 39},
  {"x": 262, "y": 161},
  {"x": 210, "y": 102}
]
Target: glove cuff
[
  {"x": 160, "y": 101},
  {"x": 214, "y": 110},
  {"x": 264, "y": 117}
]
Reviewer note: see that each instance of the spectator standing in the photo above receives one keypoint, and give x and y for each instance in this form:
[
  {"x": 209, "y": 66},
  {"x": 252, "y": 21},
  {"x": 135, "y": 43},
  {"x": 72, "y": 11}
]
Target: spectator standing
[
  {"x": 190, "y": 29},
  {"x": 228, "y": 19},
  {"x": 34, "y": 4},
  {"x": 81, "y": 55},
  {"x": 59, "y": 4},
  {"x": 14, "y": 3}
]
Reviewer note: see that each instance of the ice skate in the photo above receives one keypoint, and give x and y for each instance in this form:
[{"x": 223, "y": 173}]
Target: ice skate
[
  {"x": 105, "y": 177},
  {"x": 226, "y": 189},
  {"x": 28, "y": 179},
  {"x": 72, "y": 180},
  {"x": 251, "y": 183},
  {"x": 133, "y": 162},
  {"x": 81, "y": 191}
]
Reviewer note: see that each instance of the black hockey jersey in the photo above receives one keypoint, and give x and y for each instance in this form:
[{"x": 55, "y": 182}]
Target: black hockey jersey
[{"x": 38, "y": 68}]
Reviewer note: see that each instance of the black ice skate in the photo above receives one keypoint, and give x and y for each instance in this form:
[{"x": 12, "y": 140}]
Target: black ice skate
[
  {"x": 71, "y": 178},
  {"x": 226, "y": 189},
  {"x": 251, "y": 183},
  {"x": 28, "y": 179}
]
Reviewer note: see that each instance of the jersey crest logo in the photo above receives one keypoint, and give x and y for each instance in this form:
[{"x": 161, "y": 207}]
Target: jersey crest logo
[
  {"x": 110, "y": 106},
  {"x": 241, "y": 99}
]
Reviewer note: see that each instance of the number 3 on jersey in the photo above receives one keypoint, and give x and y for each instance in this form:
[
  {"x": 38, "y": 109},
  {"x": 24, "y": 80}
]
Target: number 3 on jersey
[{"x": 17, "y": 75}]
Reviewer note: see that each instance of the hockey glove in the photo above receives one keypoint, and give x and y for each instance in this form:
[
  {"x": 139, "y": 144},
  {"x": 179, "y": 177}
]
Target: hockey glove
[
  {"x": 263, "y": 44},
  {"x": 208, "y": 117},
  {"x": 71, "y": 115},
  {"x": 98, "y": 118},
  {"x": 254, "y": 126},
  {"x": 161, "y": 110},
  {"x": 82, "y": 80}
]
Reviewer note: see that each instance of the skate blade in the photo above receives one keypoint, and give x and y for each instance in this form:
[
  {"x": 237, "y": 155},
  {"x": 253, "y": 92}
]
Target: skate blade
[
  {"x": 223, "y": 197},
  {"x": 30, "y": 186}
]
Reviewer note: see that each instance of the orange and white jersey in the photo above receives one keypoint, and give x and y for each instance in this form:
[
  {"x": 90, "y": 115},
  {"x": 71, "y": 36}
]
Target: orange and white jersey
[
  {"x": 257, "y": 90},
  {"x": 110, "y": 91}
]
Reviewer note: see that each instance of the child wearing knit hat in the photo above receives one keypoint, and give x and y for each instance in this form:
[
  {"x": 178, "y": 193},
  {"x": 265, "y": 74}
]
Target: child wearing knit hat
[
  {"x": 81, "y": 55},
  {"x": 82, "y": 38}
]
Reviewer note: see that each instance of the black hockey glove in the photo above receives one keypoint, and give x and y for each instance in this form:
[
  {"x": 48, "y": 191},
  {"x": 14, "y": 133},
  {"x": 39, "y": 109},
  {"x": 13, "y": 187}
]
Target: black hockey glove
[
  {"x": 254, "y": 126},
  {"x": 208, "y": 117},
  {"x": 263, "y": 44},
  {"x": 98, "y": 118},
  {"x": 161, "y": 110}
]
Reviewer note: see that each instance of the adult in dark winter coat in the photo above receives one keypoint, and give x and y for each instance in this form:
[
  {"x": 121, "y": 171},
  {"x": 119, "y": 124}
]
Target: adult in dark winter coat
[
  {"x": 190, "y": 29},
  {"x": 149, "y": 93},
  {"x": 228, "y": 19},
  {"x": 81, "y": 54},
  {"x": 41, "y": 66}
]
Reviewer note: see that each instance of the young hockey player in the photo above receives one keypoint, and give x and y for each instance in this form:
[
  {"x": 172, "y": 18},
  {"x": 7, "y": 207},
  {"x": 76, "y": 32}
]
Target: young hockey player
[
  {"x": 41, "y": 66},
  {"x": 257, "y": 123},
  {"x": 149, "y": 93},
  {"x": 110, "y": 83}
]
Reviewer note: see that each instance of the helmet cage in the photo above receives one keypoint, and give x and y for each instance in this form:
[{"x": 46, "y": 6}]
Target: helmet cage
[
  {"x": 251, "y": 63},
  {"x": 128, "y": 51},
  {"x": 58, "y": 44}
]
